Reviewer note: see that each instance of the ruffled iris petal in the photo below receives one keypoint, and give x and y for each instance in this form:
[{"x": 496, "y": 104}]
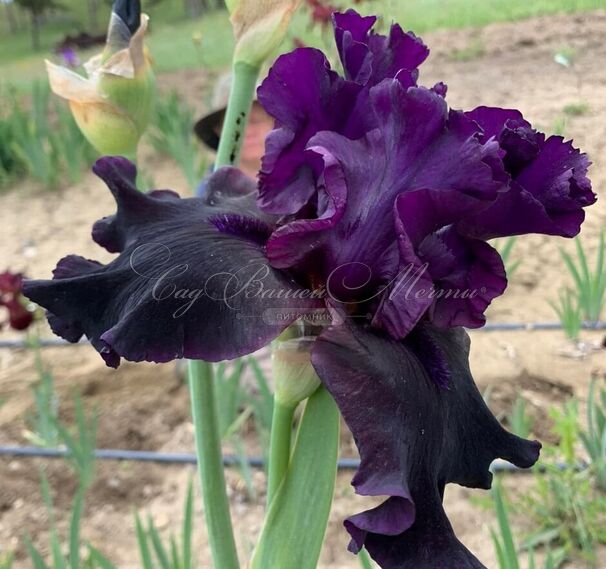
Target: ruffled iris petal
[
  {"x": 305, "y": 97},
  {"x": 414, "y": 437},
  {"x": 368, "y": 58},
  {"x": 359, "y": 243},
  {"x": 549, "y": 186},
  {"x": 191, "y": 279}
]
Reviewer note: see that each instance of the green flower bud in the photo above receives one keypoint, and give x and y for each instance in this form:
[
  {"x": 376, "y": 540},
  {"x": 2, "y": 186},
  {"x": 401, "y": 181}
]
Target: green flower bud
[
  {"x": 259, "y": 27},
  {"x": 295, "y": 377},
  {"x": 113, "y": 104}
]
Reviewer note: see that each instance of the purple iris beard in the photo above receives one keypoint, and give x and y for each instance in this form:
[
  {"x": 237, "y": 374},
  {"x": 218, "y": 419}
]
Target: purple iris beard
[{"x": 377, "y": 195}]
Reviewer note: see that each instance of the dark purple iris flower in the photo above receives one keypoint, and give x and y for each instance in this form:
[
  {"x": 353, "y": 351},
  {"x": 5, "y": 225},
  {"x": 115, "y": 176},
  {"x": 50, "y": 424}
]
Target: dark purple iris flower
[
  {"x": 375, "y": 202},
  {"x": 11, "y": 298}
]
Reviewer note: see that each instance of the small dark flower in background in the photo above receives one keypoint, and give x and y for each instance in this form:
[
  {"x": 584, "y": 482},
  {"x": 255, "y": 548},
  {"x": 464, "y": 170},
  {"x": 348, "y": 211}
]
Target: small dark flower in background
[
  {"x": 321, "y": 12},
  {"x": 19, "y": 317}
]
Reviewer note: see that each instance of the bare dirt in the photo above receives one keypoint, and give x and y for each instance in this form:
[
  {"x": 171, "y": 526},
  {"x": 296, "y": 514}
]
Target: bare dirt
[{"x": 146, "y": 406}]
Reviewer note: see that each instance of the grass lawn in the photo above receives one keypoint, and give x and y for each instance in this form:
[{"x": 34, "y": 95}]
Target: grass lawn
[{"x": 171, "y": 44}]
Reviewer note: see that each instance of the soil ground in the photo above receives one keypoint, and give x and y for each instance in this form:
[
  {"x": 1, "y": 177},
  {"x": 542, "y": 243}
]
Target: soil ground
[{"x": 146, "y": 406}]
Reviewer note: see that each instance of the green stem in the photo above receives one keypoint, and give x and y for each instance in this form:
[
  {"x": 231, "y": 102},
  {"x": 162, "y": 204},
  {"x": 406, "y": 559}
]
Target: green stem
[
  {"x": 305, "y": 495},
  {"x": 210, "y": 466},
  {"x": 236, "y": 117},
  {"x": 202, "y": 391},
  {"x": 279, "y": 447}
]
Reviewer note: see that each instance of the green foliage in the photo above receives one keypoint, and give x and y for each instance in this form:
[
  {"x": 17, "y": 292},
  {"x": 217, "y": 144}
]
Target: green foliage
[
  {"x": 37, "y": 6},
  {"x": 229, "y": 391},
  {"x": 473, "y": 50},
  {"x": 6, "y": 561},
  {"x": 80, "y": 444},
  {"x": 564, "y": 504},
  {"x": 364, "y": 559},
  {"x": 155, "y": 554},
  {"x": 505, "y": 249},
  {"x": 233, "y": 411},
  {"x": 171, "y": 42},
  {"x": 519, "y": 421},
  {"x": 590, "y": 284},
  {"x": 559, "y": 126},
  {"x": 569, "y": 313},
  {"x": 10, "y": 165},
  {"x": 171, "y": 134},
  {"x": 41, "y": 140},
  {"x": 594, "y": 437},
  {"x": 504, "y": 543},
  {"x": 262, "y": 401},
  {"x": 310, "y": 479},
  {"x": 43, "y": 422},
  {"x": 237, "y": 404},
  {"x": 576, "y": 109}
]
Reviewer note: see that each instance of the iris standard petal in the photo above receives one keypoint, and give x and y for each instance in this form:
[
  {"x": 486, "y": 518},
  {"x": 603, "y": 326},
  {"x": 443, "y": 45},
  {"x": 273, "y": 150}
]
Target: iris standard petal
[
  {"x": 191, "y": 279},
  {"x": 414, "y": 437},
  {"x": 305, "y": 97},
  {"x": 368, "y": 57}
]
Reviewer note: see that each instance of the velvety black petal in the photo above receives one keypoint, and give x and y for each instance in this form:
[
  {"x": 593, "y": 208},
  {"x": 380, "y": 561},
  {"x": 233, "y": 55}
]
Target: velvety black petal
[
  {"x": 414, "y": 437},
  {"x": 191, "y": 279}
]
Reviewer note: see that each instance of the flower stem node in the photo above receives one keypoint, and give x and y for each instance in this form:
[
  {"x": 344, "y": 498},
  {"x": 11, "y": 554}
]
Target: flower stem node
[
  {"x": 259, "y": 27},
  {"x": 113, "y": 103},
  {"x": 295, "y": 377}
]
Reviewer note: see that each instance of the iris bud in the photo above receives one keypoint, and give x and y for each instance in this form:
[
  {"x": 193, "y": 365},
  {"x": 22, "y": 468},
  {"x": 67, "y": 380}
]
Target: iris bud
[
  {"x": 112, "y": 105},
  {"x": 295, "y": 377},
  {"x": 259, "y": 27}
]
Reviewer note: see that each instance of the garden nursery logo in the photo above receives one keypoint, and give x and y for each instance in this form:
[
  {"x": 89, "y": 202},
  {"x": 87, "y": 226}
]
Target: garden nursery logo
[{"x": 182, "y": 285}]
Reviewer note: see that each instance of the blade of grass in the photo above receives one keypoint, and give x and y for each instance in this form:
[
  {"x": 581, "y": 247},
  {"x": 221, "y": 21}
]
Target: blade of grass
[
  {"x": 161, "y": 554},
  {"x": 188, "y": 523},
  {"x": 144, "y": 551}
]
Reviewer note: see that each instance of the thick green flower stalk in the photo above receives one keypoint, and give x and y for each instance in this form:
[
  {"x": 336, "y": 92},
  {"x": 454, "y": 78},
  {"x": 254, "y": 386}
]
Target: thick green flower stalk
[
  {"x": 259, "y": 28},
  {"x": 113, "y": 103}
]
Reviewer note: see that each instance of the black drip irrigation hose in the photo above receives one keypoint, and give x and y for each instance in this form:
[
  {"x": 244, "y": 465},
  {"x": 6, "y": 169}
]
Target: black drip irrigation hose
[
  {"x": 186, "y": 458},
  {"x": 494, "y": 327}
]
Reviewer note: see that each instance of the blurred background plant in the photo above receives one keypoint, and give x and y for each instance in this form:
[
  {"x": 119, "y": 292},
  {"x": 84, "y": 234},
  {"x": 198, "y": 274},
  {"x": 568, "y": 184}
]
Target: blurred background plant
[
  {"x": 6, "y": 561},
  {"x": 171, "y": 134},
  {"x": 519, "y": 420},
  {"x": 584, "y": 300},
  {"x": 177, "y": 553},
  {"x": 244, "y": 410},
  {"x": 41, "y": 139},
  {"x": 590, "y": 284},
  {"x": 79, "y": 442},
  {"x": 44, "y": 419},
  {"x": 505, "y": 249},
  {"x": 565, "y": 504},
  {"x": 504, "y": 542},
  {"x": 594, "y": 436}
]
